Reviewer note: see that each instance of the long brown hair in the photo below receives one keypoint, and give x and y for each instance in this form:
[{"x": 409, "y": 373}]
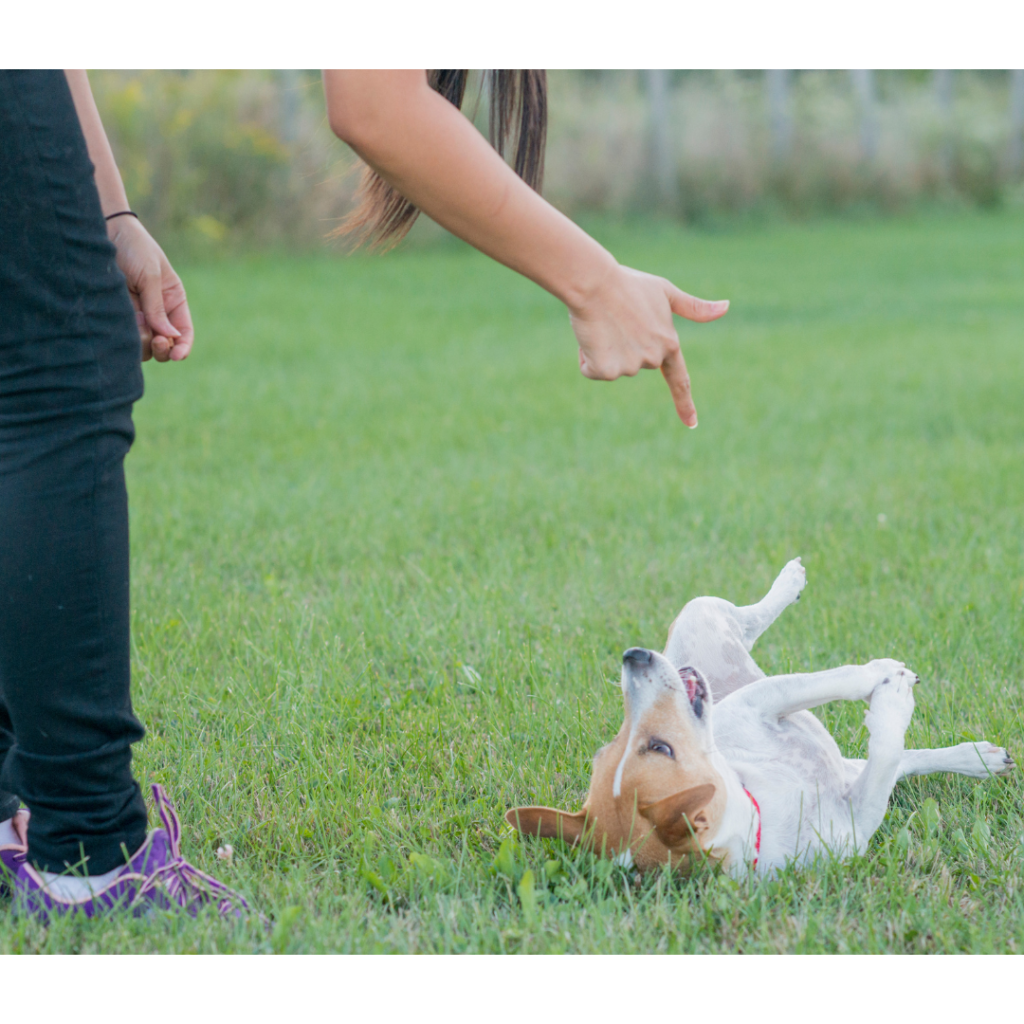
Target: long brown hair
[{"x": 518, "y": 111}]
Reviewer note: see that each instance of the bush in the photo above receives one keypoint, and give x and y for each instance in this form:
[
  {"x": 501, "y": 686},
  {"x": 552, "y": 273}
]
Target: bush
[
  {"x": 226, "y": 158},
  {"x": 215, "y": 157}
]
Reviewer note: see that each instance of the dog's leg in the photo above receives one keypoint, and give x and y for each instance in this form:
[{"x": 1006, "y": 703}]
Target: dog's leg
[
  {"x": 778, "y": 696},
  {"x": 754, "y": 619},
  {"x": 707, "y": 636},
  {"x": 715, "y": 637},
  {"x": 887, "y": 718},
  {"x": 977, "y": 760}
]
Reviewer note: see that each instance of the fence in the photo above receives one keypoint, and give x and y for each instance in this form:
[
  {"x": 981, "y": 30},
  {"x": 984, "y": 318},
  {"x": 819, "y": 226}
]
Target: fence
[{"x": 213, "y": 158}]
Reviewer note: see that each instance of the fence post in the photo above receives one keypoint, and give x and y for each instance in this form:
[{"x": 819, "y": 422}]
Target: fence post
[
  {"x": 944, "y": 98},
  {"x": 289, "y": 93},
  {"x": 663, "y": 164},
  {"x": 780, "y": 119},
  {"x": 864, "y": 86},
  {"x": 1016, "y": 152}
]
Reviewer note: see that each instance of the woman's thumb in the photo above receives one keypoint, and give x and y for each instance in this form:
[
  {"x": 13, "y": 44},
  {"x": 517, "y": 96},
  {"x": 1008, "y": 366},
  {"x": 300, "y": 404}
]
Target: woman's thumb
[{"x": 692, "y": 308}]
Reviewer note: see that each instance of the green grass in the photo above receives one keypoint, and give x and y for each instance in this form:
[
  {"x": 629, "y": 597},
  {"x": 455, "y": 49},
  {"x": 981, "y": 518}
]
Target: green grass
[{"x": 388, "y": 546}]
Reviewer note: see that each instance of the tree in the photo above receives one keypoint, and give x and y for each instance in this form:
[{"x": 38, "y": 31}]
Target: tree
[
  {"x": 779, "y": 116},
  {"x": 944, "y": 99},
  {"x": 662, "y": 160},
  {"x": 290, "y": 84},
  {"x": 864, "y": 87},
  {"x": 1016, "y": 152}
]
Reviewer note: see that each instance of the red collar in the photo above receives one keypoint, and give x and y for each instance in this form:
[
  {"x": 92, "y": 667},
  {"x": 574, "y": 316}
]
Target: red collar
[{"x": 757, "y": 842}]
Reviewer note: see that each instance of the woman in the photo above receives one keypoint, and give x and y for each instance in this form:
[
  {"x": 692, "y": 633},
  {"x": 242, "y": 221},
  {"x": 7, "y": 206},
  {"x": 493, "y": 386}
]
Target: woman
[{"x": 69, "y": 374}]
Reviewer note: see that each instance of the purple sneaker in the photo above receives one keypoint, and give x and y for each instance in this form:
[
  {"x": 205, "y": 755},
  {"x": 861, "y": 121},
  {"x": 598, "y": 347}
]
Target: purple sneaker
[{"x": 156, "y": 876}]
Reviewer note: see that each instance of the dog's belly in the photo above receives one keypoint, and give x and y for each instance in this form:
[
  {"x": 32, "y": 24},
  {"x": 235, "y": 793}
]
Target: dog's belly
[{"x": 798, "y": 776}]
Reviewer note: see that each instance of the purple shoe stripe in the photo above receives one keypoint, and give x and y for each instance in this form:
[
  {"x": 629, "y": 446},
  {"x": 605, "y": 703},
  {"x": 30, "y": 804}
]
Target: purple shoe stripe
[{"x": 168, "y": 817}]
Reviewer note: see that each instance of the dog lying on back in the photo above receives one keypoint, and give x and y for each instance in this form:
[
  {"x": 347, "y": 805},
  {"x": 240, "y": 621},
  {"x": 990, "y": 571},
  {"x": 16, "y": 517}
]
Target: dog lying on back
[{"x": 753, "y": 779}]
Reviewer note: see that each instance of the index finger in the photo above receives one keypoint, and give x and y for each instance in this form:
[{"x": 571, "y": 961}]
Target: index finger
[{"x": 678, "y": 380}]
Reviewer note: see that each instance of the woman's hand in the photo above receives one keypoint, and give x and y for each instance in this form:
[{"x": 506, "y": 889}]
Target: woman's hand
[
  {"x": 165, "y": 324},
  {"x": 161, "y": 308},
  {"x": 626, "y": 326}
]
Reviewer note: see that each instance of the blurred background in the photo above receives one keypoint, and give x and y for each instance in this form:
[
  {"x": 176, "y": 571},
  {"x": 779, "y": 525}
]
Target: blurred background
[{"x": 222, "y": 160}]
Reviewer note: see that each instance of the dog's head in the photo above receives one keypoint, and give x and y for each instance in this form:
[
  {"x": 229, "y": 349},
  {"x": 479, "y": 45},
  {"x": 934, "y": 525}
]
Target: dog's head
[{"x": 653, "y": 791}]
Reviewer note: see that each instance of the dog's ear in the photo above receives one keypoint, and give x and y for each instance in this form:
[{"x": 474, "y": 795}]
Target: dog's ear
[
  {"x": 680, "y": 815},
  {"x": 548, "y": 823}
]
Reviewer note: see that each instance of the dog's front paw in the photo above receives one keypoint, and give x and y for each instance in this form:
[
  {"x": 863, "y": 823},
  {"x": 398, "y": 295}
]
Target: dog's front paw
[
  {"x": 882, "y": 670},
  {"x": 874, "y": 674},
  {"x": 892, "y": 699}
]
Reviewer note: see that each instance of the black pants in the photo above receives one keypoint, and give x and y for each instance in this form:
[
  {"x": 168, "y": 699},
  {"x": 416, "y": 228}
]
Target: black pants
[{"x": 69, "y": 373}]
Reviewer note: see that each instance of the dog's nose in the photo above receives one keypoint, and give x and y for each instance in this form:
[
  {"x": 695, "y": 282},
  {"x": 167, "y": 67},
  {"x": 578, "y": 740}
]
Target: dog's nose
[{"x": 638, "y": 656}]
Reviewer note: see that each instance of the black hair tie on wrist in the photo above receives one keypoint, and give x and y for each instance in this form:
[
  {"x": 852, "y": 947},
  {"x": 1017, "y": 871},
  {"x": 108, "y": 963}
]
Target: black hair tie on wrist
[{"x": 122, "y": 213}]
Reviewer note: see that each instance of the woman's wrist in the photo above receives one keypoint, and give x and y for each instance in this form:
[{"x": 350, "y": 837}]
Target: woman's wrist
[
  {"x": 587, "y": 279},
  {"x": 122, "y": 227}
]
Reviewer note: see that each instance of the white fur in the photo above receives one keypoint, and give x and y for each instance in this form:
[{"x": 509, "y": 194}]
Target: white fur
[
  {"x": 624, "y": 859},
  {"x": 812, "y": 799}
]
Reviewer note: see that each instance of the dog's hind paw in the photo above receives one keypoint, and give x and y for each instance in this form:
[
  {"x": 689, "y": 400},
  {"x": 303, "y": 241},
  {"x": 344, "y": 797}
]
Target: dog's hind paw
[
  {"x": 790, "y": 581},
  {"x": 983, "y": 759}
]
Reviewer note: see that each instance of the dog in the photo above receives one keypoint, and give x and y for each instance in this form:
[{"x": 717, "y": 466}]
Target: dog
[{"x": 717, "y": 761}]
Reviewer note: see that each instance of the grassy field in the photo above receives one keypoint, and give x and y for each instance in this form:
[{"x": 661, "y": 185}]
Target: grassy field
[{"x": 388, "y": 547}]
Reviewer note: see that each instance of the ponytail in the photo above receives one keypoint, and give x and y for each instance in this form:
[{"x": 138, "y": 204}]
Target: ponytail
[{"x": 518, "y": 112}]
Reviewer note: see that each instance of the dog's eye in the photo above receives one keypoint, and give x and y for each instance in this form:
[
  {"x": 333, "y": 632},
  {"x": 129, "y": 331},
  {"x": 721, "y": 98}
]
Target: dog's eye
[{"x": 660, "y": 747}]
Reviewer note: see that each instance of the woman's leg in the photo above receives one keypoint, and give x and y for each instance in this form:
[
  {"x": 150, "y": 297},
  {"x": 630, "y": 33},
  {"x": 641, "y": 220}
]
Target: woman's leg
[
  {"x": 9, "y": 803},
  {"x": 69, "y": 373}
]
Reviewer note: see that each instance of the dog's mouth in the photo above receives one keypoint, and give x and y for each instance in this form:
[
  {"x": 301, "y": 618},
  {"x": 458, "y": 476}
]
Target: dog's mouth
[
  {"x": 646, "y": 674},
  {"x": 696, "y": 689}
]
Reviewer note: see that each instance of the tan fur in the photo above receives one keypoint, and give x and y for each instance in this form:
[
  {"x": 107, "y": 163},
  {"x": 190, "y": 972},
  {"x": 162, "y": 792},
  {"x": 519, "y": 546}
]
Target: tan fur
[
  {"x": 680, "y": 816},
  {"x": 665, "y": 807}
]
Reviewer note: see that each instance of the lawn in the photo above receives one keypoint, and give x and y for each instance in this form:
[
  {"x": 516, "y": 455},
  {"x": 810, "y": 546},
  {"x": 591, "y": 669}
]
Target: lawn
[{"x": 388, "y": 547}]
